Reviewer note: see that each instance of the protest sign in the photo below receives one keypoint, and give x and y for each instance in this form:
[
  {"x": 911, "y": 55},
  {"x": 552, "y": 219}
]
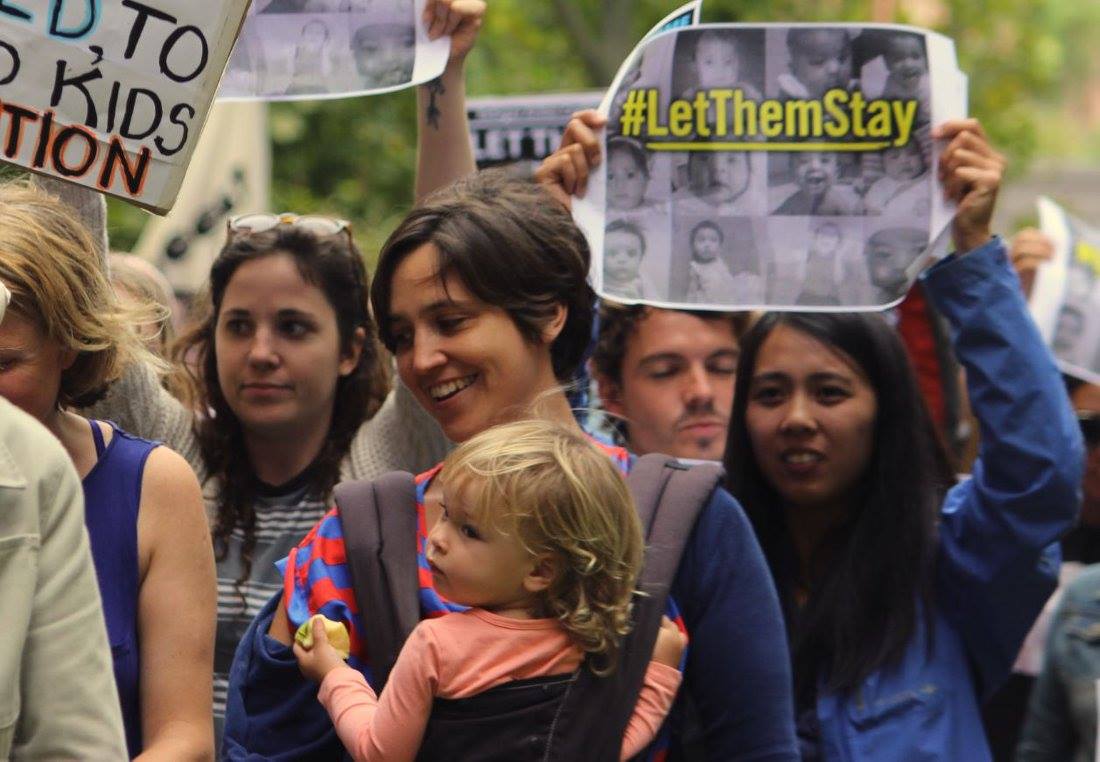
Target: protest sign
[
  {"x": 1065, "y": 299},
  {"x": 526, "y": 128},
  {"x": 316, "y": 49},
  {"x": 111, "y": 95},
  {"x": 772, "y": 167}
]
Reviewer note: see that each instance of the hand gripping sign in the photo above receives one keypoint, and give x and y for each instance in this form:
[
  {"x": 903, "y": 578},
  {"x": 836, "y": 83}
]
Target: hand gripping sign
[
  {"x": 111, "y": 94},
  {"x": 772, "y": 167},
  {"x": 1065, "y": 299},
  {"x": 317, "y": 49}
]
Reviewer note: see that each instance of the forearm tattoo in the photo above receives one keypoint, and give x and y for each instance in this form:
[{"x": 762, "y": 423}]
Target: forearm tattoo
[{"x": 435, "y": 89}]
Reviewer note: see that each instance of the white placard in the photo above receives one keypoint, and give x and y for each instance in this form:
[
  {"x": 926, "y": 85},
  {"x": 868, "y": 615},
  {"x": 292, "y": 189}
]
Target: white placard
[
  {"x": 111, "y": 94},
  {"x": 318, "y": 49},
  {"x": 765, "y": 166}
]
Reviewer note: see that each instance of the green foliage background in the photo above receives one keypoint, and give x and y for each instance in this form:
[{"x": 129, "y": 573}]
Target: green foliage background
[{"x": 355, "y": 158}]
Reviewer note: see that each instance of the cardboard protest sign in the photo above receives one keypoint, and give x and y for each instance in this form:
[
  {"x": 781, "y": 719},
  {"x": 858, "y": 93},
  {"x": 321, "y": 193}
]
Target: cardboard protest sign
[
  {"x": 316, "y": 49},
  {"x": 111, "y": 95},
  {"x": 1065, "y": 300},
  {"x": 772, "y": 167}
]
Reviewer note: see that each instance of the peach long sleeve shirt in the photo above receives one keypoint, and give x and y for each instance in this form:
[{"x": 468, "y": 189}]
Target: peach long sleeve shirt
[{"x": 461, "y": 655}]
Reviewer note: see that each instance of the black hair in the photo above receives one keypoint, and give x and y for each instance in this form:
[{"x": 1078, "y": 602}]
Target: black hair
[
  {"x": 513, "y": 246},
  {"x": 862, "y": 610}
]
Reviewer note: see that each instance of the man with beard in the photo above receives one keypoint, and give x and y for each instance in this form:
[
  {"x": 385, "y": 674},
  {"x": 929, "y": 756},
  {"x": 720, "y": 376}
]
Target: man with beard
[{"x": 667, "y": 375}]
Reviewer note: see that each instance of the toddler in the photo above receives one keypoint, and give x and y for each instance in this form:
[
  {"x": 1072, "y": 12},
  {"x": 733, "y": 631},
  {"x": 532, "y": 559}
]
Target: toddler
[
  {"x": 627, "y": 174},
  {"x": 716, "y": 63},
  {"x": 539, "y": 536},
  {"x": 624, "y": 247},
  {"x": 901, "y": 191},
  {"x": 717, "y": 184},
  {"x": 709, "y": 278},
  {"x": 815, "y": 174},
  {"x": 891, "y": 253},
  {"x": 907, "y": 65},
  {"x": 820, "y": 287},
  {"x": 821, "y": 60}
]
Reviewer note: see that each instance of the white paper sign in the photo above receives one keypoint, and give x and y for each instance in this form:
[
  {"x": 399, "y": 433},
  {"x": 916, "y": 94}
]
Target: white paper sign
[
  {"x": 316, "y": 49},
  {"x": 1065, "y": 299},
  {"x": 111, "y": 94},
  {"x": 772, "y": 167}
]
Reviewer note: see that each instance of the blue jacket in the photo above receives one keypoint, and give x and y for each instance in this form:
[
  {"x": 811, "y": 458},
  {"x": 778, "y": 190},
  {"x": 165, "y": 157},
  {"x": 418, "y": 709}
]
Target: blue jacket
[
  {"x": 737, "y": 673},
  {"x": 997, "y": 564}
]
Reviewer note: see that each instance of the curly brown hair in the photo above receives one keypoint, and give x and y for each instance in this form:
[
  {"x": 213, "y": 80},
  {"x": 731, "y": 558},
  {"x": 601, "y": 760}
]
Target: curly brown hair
[
  {"x": 564, "y": 499},
  {"x": 335, "y": 266}
]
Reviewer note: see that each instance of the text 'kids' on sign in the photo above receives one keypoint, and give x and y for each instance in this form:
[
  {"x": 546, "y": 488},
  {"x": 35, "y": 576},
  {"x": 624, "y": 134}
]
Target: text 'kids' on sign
[
  {"x": 111, "y": 94},
  {"x": 772, "y": 166}
]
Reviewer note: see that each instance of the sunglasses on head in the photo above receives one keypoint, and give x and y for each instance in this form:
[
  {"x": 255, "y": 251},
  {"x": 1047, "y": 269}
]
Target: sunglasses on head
[
  {"x": 316, "y": 224},
  {"x": 1090, "y": 427}
]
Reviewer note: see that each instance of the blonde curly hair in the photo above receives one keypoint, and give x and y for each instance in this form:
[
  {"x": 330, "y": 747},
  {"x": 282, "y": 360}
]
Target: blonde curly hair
[
  {"x": 50, "y": 263},
  {"x": 563, "y": 498}
]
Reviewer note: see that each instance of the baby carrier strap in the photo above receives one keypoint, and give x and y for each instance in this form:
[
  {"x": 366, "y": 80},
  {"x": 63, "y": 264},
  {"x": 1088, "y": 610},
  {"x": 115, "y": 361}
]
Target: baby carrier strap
[
  {"x": 669, "y": 496},
  {"x": 379, "y": 521}
]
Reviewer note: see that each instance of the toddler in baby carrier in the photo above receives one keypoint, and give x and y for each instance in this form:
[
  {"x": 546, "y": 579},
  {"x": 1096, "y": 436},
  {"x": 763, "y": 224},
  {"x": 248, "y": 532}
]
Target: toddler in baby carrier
[{"x": 588, "y": 686}]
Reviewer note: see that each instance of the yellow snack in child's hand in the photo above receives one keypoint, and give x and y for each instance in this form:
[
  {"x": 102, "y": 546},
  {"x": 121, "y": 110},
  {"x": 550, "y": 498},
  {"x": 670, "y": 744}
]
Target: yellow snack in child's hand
[{"x": 335, "y": 631}]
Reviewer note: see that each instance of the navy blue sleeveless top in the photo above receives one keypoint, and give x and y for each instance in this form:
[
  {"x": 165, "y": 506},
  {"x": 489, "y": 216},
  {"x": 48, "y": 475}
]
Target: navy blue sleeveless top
[{"x": 112, "y": 494}]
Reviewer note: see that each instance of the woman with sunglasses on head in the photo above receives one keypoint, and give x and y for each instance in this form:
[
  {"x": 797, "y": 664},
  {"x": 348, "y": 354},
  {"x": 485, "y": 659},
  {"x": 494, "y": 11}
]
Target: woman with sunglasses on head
[
  {"x": 482, "y": 295},
  {"x": 62, "y": 341},
  {"x": 286, "y": 363},
  {"x": 907, "y": 594}
]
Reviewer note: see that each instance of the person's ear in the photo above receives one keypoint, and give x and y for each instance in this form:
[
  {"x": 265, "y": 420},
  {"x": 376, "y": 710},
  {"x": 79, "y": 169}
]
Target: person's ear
[
  {"x": 611, "y": 393},
  {"x": 555, "y": 324},
  {"x": 349, "y": 359},
  {"x": 542, "y": 574}
]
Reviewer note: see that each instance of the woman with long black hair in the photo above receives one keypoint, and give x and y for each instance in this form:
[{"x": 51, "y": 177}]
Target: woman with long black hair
[{"x": 906, "y": 594}]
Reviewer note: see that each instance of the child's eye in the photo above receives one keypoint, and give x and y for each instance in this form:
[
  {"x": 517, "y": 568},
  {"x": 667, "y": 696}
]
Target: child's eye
[{"x": 470, "y": 532}]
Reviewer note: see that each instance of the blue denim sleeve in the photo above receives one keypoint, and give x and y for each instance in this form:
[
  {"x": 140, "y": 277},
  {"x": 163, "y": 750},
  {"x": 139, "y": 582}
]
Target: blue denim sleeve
[
  {"x": 271, "y": 711},
  {"x": 738, "y": 671},
  {"x": 998, "y": 562},
  {"x": 1050, "y": 732}
]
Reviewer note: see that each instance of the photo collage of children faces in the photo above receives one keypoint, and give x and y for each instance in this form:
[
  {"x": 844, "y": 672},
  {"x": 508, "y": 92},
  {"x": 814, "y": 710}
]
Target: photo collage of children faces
[
  {"x": 1076, "y": 336},
  {"x": 303, "y": 48},
  {"x": 803, "y": 230}
]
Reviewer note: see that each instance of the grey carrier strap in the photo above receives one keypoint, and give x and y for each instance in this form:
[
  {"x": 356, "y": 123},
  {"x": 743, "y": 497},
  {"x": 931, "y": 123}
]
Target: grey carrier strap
[{"x": 379, "y": 522}]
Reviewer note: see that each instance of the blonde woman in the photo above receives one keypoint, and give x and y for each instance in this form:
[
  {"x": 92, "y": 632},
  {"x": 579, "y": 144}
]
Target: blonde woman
[{"x": 63, "y": 340}]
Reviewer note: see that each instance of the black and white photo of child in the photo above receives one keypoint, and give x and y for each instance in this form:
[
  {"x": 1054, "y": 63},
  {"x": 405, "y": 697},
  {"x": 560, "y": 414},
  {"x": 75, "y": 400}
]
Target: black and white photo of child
[
  {"x": 821, "y": 286},
  {"x": 246, "y": 71},
  {"x": 719, "y": 59},
  {"x": 903, "y": 190},
  {"x": 899, "y": 71},
  {"x": 720, "y": 183},
  {"x": 311, "y": 68},
  {"x": 816, "y": 189},
  {"x": 629, "y": 174},
  {"x": 890, "y": 253},
  {"x": 816, "y": 262},
  {"x": 809, "y": 62},
  {"x": 624, "y": 249},
  {"x": 383, "y": 47},
  {"x": 723, "y": 267}
]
